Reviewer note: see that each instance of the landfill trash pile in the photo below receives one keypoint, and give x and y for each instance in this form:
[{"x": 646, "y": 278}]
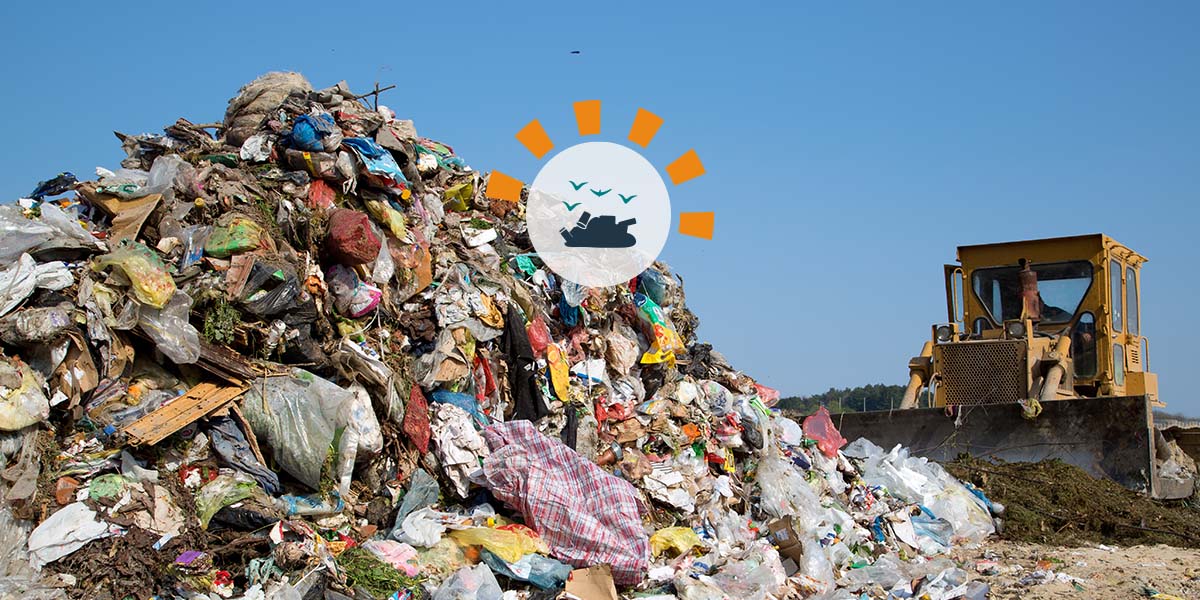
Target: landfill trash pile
[{"x": 302, "y": 354}]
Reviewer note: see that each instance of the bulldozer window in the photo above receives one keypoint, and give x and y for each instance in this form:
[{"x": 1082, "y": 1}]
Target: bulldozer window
[
  {"x": 1131, "y": 299},
  {"x": 1060, "y": 285},
  {"x": 1083, "y": 346},
  {"x": 1114, "y": 273}
]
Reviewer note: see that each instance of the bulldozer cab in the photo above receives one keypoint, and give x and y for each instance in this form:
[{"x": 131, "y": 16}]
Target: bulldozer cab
[{"x": 1087, "y": 289}]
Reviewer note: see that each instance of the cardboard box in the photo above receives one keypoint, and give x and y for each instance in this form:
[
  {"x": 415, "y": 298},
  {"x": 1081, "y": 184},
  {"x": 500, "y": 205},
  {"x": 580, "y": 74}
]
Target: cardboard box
[{"x": 782, "y": 535}]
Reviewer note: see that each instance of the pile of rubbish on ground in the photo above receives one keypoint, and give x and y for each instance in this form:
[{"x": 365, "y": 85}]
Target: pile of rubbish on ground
[{"x": 302, "y": 354}]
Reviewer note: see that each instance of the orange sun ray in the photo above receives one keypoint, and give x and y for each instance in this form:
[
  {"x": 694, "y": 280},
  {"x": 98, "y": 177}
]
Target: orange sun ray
[
  {"x": 587, "y": 116},
  {"x": 685, "y": 167},
  {"x": 697, "y": 224},
  {"x": 503, "y": 187},
  {"x": 533, "y": 136},
  {"x": 645, "y": 127}
]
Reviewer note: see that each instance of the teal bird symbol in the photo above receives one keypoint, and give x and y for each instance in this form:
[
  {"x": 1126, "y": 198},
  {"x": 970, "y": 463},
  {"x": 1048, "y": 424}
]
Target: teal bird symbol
[
  {"x": 627, "y": 199},
  {"x": 599, "y": 193},
  {"x": 577, "y": 186},
  {"x": 571, "y": 206}
]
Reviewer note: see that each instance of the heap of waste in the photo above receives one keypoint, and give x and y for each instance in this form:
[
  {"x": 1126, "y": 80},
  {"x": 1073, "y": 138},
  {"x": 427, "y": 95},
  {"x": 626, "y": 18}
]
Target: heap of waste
[{"x": 302, "y": 354}]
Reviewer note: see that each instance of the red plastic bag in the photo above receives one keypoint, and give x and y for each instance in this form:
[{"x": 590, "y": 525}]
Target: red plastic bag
[
  {"x": 539, "y": 336},
  {"x": 819, "y": 427},
  {"x": 320, "y": 195},
  {"x": 769, "y": 396}
]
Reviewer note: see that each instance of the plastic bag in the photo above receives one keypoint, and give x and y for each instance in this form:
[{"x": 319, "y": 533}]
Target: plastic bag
[
  {"x": 19, "y": 234},
  {"x": 384, "y": 267},
  {"x": 316, "y": 132},
  {"x": 401, "y": 556},
  {"x": 219, "y": 493},
  {"x": 541, "y": 571},
  {"x": 678, "y": 539},
  {"x": 470, "y": 583},
  {"x": 296, "y": 418},
  {"x": 123, "y": 183},
  {"x": 352, "y": 297},
  {"x": 786, "y": 492},
  {"x": 424, "y": 527},
  {"x": 509, "y": 545},
  {"x": 230, "y": 444},
  {"x": 665, "y": 341},
  {"x": 67, "y": 225},
  {"x": 539, "y": 335},
  {"x": 24, "y": 403},
  {"x": 19, "y": 280},
  {"x": 422, "y": 492},
  {"x": 256, "y": 148},
  {"x": 818, "y": 426},
  {"x": 173, "y": 335},
  {"x": 147, "y": 274},
  {"x": 194, "y": 238},
  {"x": 241, "y": 234}
]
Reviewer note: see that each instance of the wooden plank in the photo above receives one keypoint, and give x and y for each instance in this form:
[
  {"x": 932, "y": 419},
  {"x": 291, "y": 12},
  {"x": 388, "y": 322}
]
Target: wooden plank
[{"x": 199, "y": 401}]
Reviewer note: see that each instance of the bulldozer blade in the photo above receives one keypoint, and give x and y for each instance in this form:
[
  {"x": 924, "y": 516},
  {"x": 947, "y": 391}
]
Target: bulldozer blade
[{"x": 1107, "y": 437}]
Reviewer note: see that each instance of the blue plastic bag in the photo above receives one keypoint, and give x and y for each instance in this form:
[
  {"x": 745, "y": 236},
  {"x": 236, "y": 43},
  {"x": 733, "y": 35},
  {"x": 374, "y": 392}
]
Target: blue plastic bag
[
  {"x": 310, "y": 133},
  {"x": 466, "y": 402}
]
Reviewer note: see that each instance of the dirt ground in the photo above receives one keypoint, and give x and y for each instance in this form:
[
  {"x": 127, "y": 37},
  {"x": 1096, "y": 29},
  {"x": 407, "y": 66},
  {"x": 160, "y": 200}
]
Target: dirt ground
[
  {"x": 1099, "y": 572},
  {"x": 1055, "y": 503}
]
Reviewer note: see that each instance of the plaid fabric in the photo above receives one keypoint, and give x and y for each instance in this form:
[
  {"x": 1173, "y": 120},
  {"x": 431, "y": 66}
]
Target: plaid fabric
[{"x": 587, "y": 516}]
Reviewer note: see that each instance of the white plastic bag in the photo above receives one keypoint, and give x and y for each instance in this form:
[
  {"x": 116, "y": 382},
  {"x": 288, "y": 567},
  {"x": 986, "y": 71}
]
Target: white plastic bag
[
  {"x": 470, "y": 583},
  {"x": 68, "y": 225},
  {"x": 19, "y": 280},
  {"x": 19, "y": 234}
]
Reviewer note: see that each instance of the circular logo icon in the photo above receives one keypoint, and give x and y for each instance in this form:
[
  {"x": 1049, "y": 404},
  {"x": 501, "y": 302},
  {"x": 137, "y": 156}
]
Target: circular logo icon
[{"x": 598, "y": 214}]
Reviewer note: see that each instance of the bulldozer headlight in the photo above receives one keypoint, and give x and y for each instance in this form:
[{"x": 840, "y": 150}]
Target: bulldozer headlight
[
  {"x": 1015, "y": 329},
  {"x": 943, "y": 333}
]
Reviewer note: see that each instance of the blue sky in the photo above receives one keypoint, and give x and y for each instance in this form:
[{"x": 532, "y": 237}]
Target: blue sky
[{"x": 849, "y": 150}]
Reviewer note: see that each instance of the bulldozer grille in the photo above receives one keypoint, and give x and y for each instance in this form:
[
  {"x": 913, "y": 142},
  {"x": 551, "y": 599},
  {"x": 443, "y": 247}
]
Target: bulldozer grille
[{"x": 991, "y": 372}]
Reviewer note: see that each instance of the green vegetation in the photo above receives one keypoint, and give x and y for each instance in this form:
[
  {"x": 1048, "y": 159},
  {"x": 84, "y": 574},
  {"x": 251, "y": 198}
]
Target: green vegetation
[
  {"x": 376, "y": 577},
  {"x": 219, "y": 322}
]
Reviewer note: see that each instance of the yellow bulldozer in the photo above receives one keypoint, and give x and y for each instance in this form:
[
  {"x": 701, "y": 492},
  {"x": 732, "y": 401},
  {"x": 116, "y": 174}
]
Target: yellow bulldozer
[{"x": 1041, "y": 356}]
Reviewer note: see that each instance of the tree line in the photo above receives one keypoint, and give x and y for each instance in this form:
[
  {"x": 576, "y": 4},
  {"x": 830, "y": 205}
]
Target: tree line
[{"x": 876, "y": 396}]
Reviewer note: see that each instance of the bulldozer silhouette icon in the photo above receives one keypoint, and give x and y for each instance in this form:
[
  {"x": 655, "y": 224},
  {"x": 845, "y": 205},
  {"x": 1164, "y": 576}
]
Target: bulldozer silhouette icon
[{"x": 600, "y": 232}]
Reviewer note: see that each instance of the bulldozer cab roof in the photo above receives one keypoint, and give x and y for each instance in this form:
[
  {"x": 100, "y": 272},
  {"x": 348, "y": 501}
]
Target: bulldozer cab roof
[{"x": 1095, "y": 247}]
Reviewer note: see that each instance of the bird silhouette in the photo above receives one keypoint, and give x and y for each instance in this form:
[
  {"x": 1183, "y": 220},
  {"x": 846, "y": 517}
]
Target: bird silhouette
[
  {"x": 599, "y": 193},
  {"x": 571, "y": 206},
  {"x": 627, "y": 199},
  {"x": 577, "y": 186}
]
